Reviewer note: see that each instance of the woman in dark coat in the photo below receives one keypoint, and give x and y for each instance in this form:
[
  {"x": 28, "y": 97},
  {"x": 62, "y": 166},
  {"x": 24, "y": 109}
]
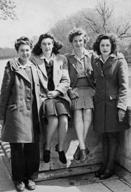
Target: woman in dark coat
[
  {"x": 56, "y": 103},
  {"x": 19, "y": 108},
  {"x": 110, "y": 101}
]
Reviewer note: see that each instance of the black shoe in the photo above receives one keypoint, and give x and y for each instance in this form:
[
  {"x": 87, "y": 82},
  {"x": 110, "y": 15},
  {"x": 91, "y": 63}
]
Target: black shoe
[
  {"x": 83, "y": 155},
  {"x": 46, "y": 156},
  {"x": 87, "y": 151},
  {"x": 107, "y": 174},
  {"x": 77, "y": 154},
  {"x": 19, "y": 185},
  {"x": 30, "y": 184},
  {"x": 100, "y": 171},
  {"x": 62, "y": 157}
]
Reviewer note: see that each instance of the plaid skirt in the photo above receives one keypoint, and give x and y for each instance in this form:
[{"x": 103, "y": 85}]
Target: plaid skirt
[{"x": 85, "y": 100}]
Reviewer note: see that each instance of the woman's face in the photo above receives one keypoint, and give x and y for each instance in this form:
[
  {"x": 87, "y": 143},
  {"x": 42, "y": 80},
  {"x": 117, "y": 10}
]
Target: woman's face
[
  {"x": 47, "y": 45},
  {"x": 78, "y": 42},
  {"x": 105, "y": 47},
  {"x": 24, "y": 53}
]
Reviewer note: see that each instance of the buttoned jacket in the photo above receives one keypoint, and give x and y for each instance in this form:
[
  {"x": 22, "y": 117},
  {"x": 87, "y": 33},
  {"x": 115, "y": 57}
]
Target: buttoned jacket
[{"x": 16, "y": 103}]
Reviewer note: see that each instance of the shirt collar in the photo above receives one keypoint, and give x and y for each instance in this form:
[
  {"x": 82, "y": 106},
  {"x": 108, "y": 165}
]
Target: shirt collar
[
  {"x": 112, "y": 55},
  {"x": 28, "y": 64},
  {"x": 42, "y": 57},
  {"x": 85, "y": 53}
]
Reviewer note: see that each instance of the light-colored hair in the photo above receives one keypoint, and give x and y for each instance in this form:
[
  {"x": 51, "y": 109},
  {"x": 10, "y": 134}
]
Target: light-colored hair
[{"x": 77, "y": 32}]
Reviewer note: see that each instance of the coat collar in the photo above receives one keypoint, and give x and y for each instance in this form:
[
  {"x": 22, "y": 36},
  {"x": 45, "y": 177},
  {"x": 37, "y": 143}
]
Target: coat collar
[
  {"x": 74, "y": 58},
  {"x": 19, "y": 68},
  {"x": 85, "y": 53},
  {"x": 41, "y": 65},
  {"x": 39, "y": 62}
]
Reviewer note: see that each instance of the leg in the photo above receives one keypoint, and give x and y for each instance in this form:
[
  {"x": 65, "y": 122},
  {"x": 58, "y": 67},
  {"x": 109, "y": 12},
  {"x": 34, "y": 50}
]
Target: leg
[
  {"x": 17, "y": 161},
  {"x": 87, "y": 117},
  {"x": 62, "y": 130},
  {"x": 32, "y": 155},
  {"x": 105, "y": 146},
  {"x": 79, "y": 127},
  {"x": 51, "y": 128},
  {"x": 18, "y": 165},
  {"x": 113, "y": 146}
]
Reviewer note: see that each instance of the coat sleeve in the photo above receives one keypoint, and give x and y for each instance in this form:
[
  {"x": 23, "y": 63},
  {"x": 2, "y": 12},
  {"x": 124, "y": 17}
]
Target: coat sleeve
[
  {"x": 6, "y": 87},
  {"x": 64, "y": 83},
  {"x": 123, "y": 84}
]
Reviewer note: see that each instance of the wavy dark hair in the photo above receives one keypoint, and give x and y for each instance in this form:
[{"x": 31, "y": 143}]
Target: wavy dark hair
[
  {"x": 37, "y": 48},
  {"x": 112, "y": 39},
  {"x": 23, "y": 41},
  {"x": 77, "y": 32}
]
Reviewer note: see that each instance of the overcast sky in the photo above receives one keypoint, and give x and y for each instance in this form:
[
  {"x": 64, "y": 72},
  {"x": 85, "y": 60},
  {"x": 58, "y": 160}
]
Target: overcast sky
[{"x": 37, "y": 16}]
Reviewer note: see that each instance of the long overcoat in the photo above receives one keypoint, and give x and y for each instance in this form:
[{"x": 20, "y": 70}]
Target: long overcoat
[
  {"x": 16, "y": 103},
  {"x": 111, "y": 79}
]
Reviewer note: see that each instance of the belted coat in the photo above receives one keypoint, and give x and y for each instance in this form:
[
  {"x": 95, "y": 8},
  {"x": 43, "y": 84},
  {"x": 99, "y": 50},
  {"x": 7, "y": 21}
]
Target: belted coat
[{"x": 16, "y": 103}]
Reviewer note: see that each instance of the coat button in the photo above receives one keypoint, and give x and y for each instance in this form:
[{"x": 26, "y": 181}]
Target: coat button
[{"x": 111, "y": 98}]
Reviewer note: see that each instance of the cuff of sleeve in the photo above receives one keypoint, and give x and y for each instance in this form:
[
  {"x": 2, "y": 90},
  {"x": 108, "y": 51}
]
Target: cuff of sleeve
[{"x": 122, "y": 107}]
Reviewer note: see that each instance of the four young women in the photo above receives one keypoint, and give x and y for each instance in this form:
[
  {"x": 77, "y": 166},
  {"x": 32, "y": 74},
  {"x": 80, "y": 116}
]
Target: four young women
[{"x": 38, "y": 85}]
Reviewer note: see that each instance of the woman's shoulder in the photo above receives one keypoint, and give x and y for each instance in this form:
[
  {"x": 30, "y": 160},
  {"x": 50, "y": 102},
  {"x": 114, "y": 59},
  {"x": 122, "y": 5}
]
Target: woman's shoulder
[
  {"x": 35, "y": 59},
  {"x": 60, "y": 57},
  {"x": 120, "y": 55},
  {"x": 12, "y": 64},
  {"x": 69, "y": 55}
]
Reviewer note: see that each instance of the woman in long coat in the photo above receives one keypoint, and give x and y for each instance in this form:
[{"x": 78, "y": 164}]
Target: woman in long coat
[
  {"x": 110, "y": 101},
  {"x": 19, "y": 111},
  {"x": 56, "y": 103}
]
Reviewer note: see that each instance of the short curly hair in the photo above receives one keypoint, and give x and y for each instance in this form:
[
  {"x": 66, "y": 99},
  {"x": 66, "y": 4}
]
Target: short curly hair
[
  {"x": 77, "y": 32},
  {"x": 23, "y": 41},
  {"x": 110, "y": 37},
  {"x": 37, "y": 48}
]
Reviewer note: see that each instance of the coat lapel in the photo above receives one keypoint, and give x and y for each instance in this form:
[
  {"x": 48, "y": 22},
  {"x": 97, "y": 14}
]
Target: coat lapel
[
  {"x": 15, "y": 65},
  {"x": 56, "y": 70},
  {"x": 23, "y": 74},
  {"x": 40, "y": 63},
  {"x": 43, "y": 69},
  {"x": 73, "y": 62}
]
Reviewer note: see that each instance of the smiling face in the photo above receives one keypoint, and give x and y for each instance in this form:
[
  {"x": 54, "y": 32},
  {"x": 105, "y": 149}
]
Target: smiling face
[
  {"x": 105, "y": 47},
  {"x": 78, "y": 42},
  {"x": 24, "y": 52},
  {"x": 47, "y": 46}
]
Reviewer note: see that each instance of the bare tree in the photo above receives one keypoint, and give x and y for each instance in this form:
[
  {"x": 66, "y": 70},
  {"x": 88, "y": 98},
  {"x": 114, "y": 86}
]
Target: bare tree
[
  {"x": 7, "y": 9},
  {"x": 102, "y": 23}
]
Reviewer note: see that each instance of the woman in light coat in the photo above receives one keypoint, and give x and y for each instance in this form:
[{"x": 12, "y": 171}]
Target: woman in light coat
[
  {"x": 56, "y": 103},
  {"x": 110, "y": 101},
  {"x": 19, "y": 112}
]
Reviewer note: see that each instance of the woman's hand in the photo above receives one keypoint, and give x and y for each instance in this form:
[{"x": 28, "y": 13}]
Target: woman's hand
[
  {"x": 73, "y": 94},
  {"x": 121, "y": 114},
  {"x": 53, "y": 94},
  {"x": 1, "y": 123}
]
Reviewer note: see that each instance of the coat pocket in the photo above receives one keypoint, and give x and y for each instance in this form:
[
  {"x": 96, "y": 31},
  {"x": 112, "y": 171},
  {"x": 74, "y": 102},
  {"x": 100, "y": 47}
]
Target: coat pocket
[{"x": 12, "y": 107}]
